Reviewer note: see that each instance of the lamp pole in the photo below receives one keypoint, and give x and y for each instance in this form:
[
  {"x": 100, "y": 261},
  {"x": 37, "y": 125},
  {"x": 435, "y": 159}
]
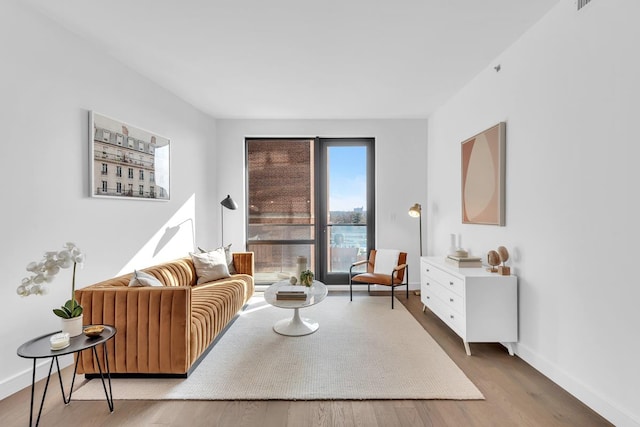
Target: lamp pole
[
  {"x": 228, "y": 203},
  {"x": 416, "y": 212},
  {"x": 221, "y": 225},
  {"x": 420, "y": 220}
]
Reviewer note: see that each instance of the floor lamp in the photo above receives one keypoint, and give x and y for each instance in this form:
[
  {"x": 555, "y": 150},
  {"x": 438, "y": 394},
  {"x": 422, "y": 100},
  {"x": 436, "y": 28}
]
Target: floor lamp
[
  {"x": 416, "y": 212},
  {"x": 228, "y": 203}
]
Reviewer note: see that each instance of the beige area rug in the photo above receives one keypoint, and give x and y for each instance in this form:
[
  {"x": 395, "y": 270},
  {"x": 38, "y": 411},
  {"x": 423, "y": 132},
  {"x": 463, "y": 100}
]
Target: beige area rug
[{"x": 362, "y": 350}]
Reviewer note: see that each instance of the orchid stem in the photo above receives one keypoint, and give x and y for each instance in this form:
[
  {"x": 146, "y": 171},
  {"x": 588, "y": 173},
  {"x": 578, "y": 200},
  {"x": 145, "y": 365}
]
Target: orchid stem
[{"x": 73, "y": 286}]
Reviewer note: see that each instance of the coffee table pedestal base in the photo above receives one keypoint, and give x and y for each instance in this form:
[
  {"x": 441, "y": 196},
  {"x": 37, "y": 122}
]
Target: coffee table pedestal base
[{"x": 296, "y": 326}]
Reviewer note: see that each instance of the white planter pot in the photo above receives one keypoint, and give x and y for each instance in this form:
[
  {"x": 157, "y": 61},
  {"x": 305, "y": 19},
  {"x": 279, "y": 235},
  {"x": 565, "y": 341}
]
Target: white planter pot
[{"x": 73, "y": 326}]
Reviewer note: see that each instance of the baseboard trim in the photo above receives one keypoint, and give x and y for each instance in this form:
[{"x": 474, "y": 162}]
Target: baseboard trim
[
  {"x": 22, "y": 379},
  {"x": 590, "y": 397}
]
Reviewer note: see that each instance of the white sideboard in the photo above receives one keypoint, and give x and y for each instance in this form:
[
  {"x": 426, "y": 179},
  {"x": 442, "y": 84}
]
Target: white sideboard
[{"x": 478, "y": 305}]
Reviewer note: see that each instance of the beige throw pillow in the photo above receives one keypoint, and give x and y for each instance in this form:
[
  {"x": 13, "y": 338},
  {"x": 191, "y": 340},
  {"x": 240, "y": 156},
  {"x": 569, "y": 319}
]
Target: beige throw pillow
[
  {"x": 210, "y": 266},
  {"x": 140, "y": 279},
  {"x": 228, "y": 255}
]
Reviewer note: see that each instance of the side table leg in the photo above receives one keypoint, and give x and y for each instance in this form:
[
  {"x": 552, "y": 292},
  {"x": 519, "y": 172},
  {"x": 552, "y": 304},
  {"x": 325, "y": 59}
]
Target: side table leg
[
  {"x": 44, "y": 393},
  {"x": 73, "y": 380},
  {"x": 108, "y": 394},
  {"x": 33, "y": 386}
]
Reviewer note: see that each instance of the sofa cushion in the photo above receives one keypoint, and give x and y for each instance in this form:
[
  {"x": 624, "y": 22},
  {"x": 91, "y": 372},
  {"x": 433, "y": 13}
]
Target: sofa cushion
[
  {"x": 228, "y": 255},
  {"x": 140, "y": 278},
  {"x": 210, "y": 266}
]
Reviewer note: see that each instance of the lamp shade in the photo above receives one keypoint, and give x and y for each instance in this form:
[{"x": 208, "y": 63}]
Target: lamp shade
[
  {"x": 415, "y": 210},
  {"x": 229, "y": 203}
]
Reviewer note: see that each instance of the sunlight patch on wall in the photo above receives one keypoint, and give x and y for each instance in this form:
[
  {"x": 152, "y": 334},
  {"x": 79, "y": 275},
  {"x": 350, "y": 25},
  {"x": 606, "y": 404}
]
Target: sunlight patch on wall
[{"x": 175, "y": 239}]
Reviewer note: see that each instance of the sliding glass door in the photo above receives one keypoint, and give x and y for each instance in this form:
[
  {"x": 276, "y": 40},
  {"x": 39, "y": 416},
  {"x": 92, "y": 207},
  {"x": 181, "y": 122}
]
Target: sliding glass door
[{"x": 310, "y": 205}]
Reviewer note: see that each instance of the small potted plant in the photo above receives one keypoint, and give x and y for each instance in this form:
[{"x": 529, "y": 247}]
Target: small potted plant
[
  {"x": 44, "y": 272},
  {"x": 306, "y": 278}
]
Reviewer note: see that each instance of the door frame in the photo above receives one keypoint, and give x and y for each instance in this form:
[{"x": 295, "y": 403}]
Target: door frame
[{"x": 321, "y": 214}]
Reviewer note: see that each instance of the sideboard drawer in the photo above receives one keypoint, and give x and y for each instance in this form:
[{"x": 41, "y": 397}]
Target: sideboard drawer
[
  {"x": 451, "y": 299},
  {"x": 447, "y": 280},
  {"x": 447, "y": 314}
]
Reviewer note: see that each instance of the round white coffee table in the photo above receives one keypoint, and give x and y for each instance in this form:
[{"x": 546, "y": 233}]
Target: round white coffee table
[{"x": 296, "y": 326}]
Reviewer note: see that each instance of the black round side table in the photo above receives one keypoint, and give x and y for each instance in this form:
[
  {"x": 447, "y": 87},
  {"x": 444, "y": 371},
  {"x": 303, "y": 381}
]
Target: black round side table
[{"x": 40, "y": 348}]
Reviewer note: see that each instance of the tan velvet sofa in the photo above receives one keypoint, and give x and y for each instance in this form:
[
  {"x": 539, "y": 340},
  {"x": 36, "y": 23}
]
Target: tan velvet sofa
[{"x": 164, "y": 330}]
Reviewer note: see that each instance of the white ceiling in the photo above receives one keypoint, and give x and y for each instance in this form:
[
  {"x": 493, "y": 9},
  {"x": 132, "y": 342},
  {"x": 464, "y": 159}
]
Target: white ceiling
[{"x": 300, "y": 58}]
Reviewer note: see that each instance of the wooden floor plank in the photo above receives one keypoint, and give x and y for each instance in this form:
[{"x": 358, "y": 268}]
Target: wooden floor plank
[{"x": 515, "y": 395}]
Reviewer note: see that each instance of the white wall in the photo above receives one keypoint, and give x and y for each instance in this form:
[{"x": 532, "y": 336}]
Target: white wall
[
  {"x": 400, "y": 153},
  {"x": 569, "y": 93},
  {"x": 49, "y": 80}
]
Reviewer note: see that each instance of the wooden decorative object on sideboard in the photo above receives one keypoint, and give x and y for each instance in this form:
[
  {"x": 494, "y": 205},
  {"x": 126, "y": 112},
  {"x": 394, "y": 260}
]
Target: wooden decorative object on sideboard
[
  {"x": 475, "y": 304},
  {"x": 504, "y": 257}
]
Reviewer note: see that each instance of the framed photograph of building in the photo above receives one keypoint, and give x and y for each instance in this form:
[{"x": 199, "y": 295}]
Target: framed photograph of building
[
  {"x": 483, "y": 177},
  {"x": 127, "y": 162}
]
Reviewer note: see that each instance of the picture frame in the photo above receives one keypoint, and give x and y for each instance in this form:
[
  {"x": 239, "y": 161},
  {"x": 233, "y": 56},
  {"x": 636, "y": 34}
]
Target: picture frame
[
  {"x": 127, "y": 162},
  {"x": 483, "y": 177}
]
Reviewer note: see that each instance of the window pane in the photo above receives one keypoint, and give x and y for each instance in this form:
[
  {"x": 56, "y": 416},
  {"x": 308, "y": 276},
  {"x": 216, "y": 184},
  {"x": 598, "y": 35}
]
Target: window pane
[
  {"x": 280, "y": 181},
  {"x": 348, "y": 244},
  {"x": 281, "y": 205},
  {"x": 347, "y": 201},
  {"x": 275, "y": 262}
]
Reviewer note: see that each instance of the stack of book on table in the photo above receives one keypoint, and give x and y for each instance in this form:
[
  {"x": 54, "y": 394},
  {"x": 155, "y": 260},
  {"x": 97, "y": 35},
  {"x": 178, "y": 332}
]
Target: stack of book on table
[
  {"x": 464, "y": 262},
  {"x": 294, "y": 293}
]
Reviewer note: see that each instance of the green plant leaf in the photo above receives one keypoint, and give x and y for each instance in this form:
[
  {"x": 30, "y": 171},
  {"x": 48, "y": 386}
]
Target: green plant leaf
[
  {"x": 77, "y": 311},
  {"x": 61, "y": 313}
]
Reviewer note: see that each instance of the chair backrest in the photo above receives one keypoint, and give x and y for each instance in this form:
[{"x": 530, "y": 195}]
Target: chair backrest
[{"x": 402, "y": 259}]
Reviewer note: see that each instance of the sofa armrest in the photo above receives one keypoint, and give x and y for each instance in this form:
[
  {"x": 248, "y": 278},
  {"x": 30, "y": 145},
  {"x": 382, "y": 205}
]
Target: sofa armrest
[
  {"x": 243, "y": 262},
  {"x": 153, "y": 327}
]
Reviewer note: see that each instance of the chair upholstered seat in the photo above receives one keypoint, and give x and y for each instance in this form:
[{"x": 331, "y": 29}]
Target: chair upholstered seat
[{"x": 376, "y": 279}]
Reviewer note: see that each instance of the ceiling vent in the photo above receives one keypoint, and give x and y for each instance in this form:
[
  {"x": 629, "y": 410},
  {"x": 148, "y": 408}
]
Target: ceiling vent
[{"x": 582, "y": 3}]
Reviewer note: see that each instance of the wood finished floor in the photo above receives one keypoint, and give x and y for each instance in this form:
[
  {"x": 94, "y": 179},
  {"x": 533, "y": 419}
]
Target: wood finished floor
[{"x": 516, "y": 395}]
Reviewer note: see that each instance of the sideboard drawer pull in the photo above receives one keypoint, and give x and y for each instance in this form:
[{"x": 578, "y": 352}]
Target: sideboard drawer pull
[
  {"x": 450, "y": 299},
  {"x": 451, "y": 316},
  {"x": 451, "y": 283}
]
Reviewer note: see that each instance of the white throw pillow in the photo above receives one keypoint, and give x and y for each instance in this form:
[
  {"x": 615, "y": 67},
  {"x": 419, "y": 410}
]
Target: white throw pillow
[
  {"x": 140, "y": 278},
  {"x": 228, "y": 255},
  {"x": 210, "y": 266}
]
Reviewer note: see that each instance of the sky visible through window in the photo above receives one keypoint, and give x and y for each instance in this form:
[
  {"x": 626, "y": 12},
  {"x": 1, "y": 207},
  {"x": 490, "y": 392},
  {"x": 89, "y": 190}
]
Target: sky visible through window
[{"x": 347, "y": 178}]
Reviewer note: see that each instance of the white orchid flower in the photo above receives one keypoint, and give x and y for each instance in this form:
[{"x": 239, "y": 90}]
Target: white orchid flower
[
  {"x": 33, "y": 267},
  {"x": 50, "y": 256},
  {"x": 45, "y": 270},
  {"x": 37, "y": 290}
]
